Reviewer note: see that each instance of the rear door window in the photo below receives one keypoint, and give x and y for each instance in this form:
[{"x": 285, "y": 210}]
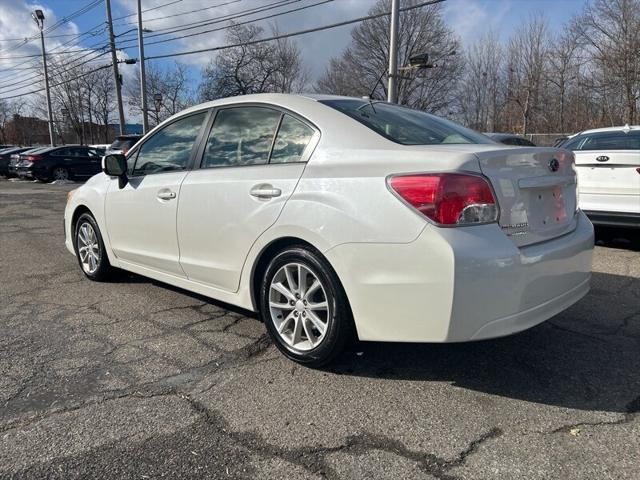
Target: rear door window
[{"x": 291, "y": 141}]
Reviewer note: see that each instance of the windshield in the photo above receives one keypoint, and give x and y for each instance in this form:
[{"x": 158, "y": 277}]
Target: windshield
[{"x": 405, "y": 125}]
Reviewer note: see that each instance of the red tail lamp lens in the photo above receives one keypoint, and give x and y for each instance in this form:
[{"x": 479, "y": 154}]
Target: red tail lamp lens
[{"x": 448, "y": 198}]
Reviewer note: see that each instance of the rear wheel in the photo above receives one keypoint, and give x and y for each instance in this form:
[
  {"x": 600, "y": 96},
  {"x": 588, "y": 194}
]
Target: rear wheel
[
  {"x": 90, "y": 250},
  {"x": 60, "y": 173},
  {"x": 304, "y": 307}
]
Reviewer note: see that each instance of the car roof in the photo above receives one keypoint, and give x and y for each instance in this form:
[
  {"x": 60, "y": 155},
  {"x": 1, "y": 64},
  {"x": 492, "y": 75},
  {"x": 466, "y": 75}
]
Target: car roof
[
  {"x": 624, "y": 128},
  {"x": 38, "y": 149}
]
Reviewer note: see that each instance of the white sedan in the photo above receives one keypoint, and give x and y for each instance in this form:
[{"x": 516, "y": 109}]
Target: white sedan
[{"x": 335, "y": 216}]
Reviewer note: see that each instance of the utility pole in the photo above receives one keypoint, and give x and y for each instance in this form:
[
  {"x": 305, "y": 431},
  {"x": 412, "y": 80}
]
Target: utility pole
[
  {"x": 38, "y": 16},
  {"x": 392, "y": 90},
  {"x": 114, "y": 60},
  {"x": 143, "y": 77}
]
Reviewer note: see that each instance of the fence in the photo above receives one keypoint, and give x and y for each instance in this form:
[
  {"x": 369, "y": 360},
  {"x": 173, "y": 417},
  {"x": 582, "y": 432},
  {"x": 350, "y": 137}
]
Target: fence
[{"x": 545, "y": 139}]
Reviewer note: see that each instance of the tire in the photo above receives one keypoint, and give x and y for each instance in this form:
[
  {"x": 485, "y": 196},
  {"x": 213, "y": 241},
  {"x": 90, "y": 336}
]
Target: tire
[
  {"x": 300, "y": 336},
  {"x": 96, "y": 267},
  {"x": 59, "y": 173}
]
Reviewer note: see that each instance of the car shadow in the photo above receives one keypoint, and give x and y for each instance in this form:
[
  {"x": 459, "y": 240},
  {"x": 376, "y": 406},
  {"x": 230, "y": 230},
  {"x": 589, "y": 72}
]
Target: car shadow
[{"x": 586, "y": 358}]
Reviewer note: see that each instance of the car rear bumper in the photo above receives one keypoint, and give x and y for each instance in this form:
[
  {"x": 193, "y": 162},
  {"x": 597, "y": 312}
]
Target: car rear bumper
[
  {"x": 24, "y": 172},
  {"x": 614, "y": 219},
  {"x": 461, "y": 284}
]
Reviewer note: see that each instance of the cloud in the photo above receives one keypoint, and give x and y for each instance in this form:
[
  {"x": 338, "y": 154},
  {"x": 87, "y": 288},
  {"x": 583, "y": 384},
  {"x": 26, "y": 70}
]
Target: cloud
[
  {"x": 20, "y": 74},
  {"x": 469, "y": 19}
]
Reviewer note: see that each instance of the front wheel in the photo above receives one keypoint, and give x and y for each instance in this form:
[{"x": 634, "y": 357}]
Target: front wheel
[
  {"x": 90, "y": 250},
  {"x": 304, "y": 307}
]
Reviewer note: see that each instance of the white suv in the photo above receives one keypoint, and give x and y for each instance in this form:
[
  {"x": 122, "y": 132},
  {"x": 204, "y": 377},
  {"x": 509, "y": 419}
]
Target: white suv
[{"x": 608, "y": 166}]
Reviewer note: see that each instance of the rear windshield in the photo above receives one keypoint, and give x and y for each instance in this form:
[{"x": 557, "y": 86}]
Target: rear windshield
[
  {"x": 404, "y": 125},
  {"x": 120, "y": 143}
]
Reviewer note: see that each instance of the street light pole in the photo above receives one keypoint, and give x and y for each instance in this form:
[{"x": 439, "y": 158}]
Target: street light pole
[
  {"x": 392, "y": 90},
  {"x": 143, "y": 77},
  {"x": 114, "y": 61},
  {"x": 38, "y": 16}
]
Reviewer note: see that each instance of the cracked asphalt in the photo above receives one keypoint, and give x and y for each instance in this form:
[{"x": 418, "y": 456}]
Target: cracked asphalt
[{"x": 136, "y": 379}]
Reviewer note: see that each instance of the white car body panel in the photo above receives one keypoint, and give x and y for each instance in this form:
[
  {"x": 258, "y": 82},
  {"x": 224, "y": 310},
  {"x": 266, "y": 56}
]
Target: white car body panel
[
  {"x": 406, "y": 279},
  {"x": 141, "y": 226},
  {"x": 609, "y": 181},
  {"x": 613, "y": 186},
  {"x": 215, "y": 232}
]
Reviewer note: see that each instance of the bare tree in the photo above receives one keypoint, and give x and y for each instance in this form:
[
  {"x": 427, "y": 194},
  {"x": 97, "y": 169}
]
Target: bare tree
[
  {"x": 610, "y": 32},
  {"x": 364, "y": 62},
  {"x": 253, "y": 68},
  {"x": 527, "y": 58},
  {"x": 562, "y": 75},
  {"x": 171, "y": 82},
  {"x": 481, "y": 90},
  {"x": 104, "y": 102}
]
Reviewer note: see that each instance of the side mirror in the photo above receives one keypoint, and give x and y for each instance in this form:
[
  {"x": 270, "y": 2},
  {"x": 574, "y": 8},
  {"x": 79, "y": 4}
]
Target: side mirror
[{"x": 115, "y": 165}]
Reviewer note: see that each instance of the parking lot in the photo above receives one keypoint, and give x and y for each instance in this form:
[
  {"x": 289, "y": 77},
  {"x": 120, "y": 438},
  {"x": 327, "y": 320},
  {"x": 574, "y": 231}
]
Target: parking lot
[{"x": 136, "y": 379}]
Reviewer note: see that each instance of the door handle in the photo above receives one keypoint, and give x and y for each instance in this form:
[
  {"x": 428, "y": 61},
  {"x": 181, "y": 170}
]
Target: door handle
[
  {"x": 166, "y": 195},
  {"x": 264, "y": 190}
]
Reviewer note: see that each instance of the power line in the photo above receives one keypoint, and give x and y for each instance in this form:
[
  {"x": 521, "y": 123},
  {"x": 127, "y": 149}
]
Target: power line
[
  {"x": 148, "y": 10},
  {"x": 294, "y": 34},
  {"x": 253, "y": 42},
  {"x": 39, "y": 54},
  {"x": 147, "y": 20},
  {"x": 59, "y": 23},
  {"x": 230, "y": 16},
  {"x": 273, "y": 15},
  {"x": 224, "y": 18},
  {"x": 67, "y": 69},
  {"x": 59, "y": 84}
]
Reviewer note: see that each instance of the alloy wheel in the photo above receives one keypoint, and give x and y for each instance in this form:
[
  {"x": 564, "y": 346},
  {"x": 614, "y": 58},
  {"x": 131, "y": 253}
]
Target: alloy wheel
[
  {"x": 88, "y": 248},
  {"x": 299, "y": 307},
  {"x": 60, "y": 173}
]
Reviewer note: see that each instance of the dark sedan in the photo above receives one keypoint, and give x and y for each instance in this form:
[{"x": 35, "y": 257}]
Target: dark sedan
[
  {"x": 5, "y": 157},
  {"x": 510, "y": 139},
  {"x": 60, "y": 163}
]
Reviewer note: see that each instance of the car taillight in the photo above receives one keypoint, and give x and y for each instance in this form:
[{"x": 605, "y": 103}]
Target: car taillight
[
  {"x": 33, "y": 158},
  {"x": 448, "y": 198}
]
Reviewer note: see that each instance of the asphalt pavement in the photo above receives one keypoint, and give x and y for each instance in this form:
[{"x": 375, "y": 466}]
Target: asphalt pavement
[{"x": 137, "y": 379}]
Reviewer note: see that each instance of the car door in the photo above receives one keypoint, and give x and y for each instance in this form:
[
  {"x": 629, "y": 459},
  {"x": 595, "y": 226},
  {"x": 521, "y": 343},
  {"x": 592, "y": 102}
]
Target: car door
[
  {"x": 75, "y": 161},
  {"x": 62, "y": 157},
  {"x": 249, "y": 166},
  {"x": 141, "y": 217},
  {"x": 607, "y": 164}
]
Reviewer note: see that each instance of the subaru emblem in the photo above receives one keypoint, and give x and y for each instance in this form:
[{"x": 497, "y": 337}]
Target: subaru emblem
[{"x": 554, "y": 165}]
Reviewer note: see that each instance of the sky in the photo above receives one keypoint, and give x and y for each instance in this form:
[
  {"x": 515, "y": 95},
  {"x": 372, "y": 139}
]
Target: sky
[{"x": 19, "y": 60}]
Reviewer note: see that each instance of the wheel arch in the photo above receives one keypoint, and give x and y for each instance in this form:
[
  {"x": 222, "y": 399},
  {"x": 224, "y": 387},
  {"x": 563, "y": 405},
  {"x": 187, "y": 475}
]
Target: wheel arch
[
  {"x": 269, "y": 251},
  {"x": 77, "y": 212}
]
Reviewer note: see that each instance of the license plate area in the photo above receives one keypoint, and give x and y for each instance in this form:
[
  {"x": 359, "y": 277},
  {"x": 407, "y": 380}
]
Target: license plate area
[{"x": 547, "y": 208}]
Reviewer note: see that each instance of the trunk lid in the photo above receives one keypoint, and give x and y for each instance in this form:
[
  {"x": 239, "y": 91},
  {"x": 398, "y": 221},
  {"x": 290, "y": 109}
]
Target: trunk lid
[
  {"x": 535, "y": 189},
  {"x": 609, "y": 180}
]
